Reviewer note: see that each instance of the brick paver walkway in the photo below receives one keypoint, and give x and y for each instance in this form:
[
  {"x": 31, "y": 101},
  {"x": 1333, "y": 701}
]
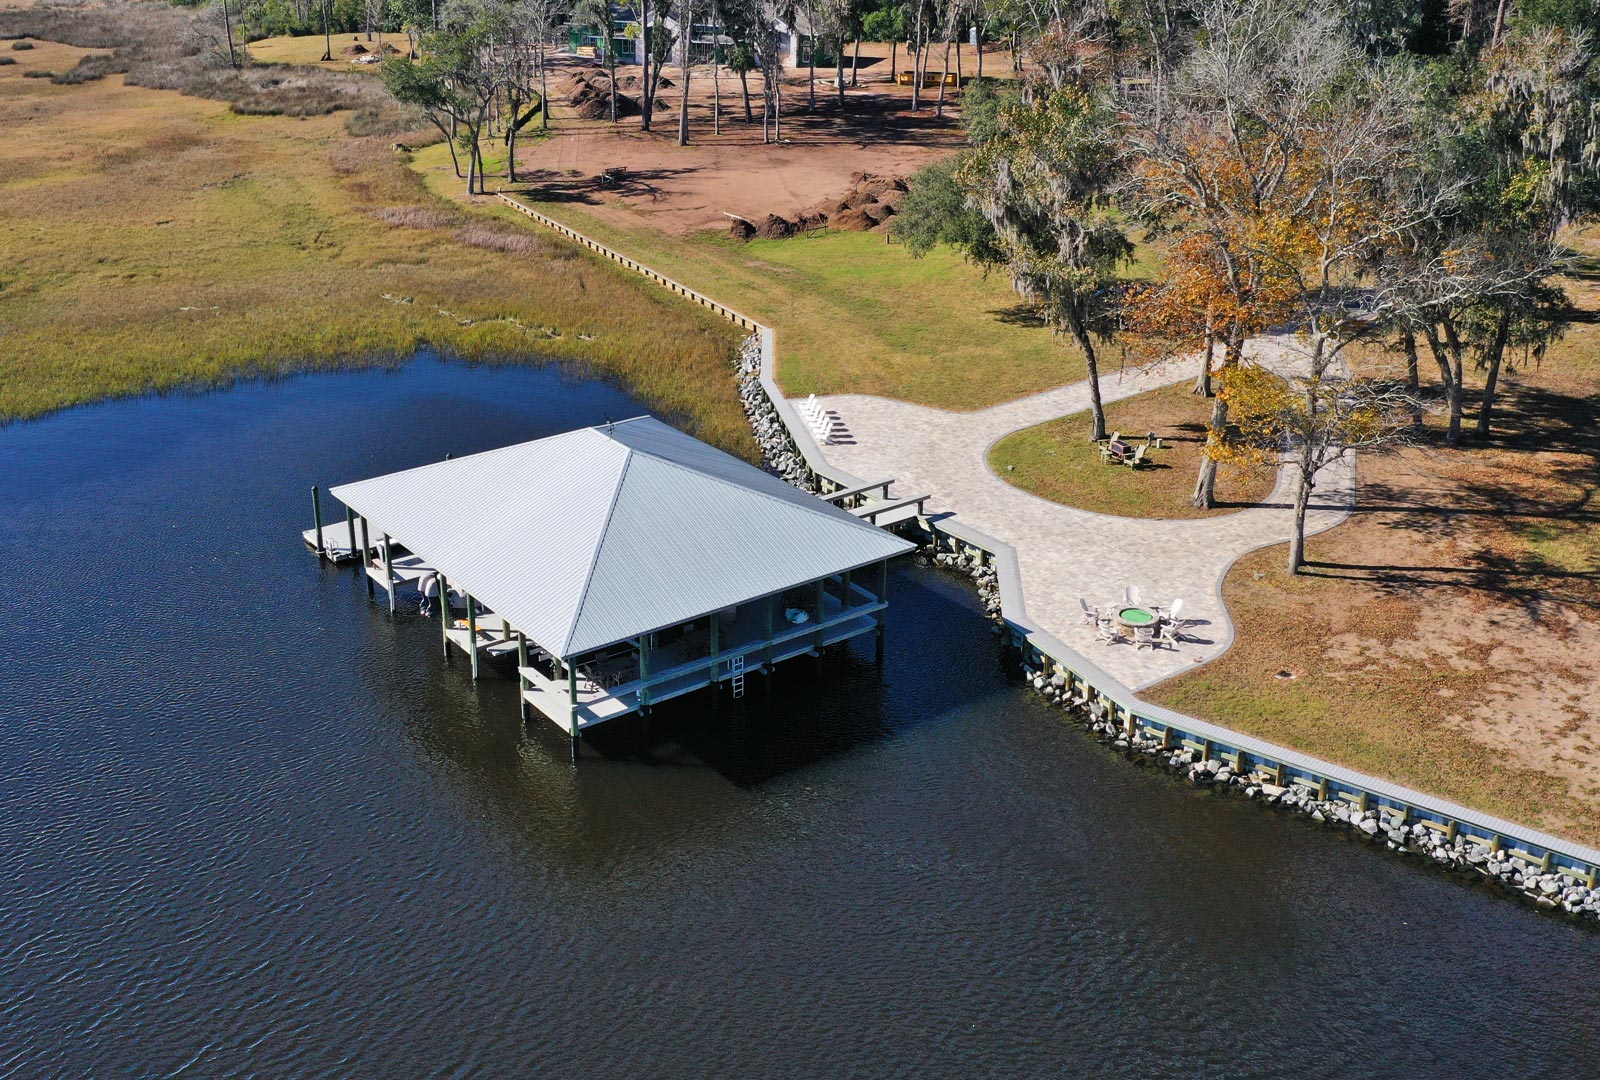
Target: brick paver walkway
[{"x": 1064, "y": 553}]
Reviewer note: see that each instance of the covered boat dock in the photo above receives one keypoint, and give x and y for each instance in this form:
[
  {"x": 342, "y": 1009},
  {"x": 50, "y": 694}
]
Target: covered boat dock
[{"x": 620, "y": 566}]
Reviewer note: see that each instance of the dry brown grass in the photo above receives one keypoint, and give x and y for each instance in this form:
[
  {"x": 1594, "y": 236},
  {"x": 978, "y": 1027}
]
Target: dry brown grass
[
  {"x": 152, "y": 240},
  {"x": 1448, "y": 635}
]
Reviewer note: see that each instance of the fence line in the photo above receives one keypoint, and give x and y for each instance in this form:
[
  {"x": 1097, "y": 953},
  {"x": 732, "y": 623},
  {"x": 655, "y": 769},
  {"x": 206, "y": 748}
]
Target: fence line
[{"x": 1085, "y": 681}]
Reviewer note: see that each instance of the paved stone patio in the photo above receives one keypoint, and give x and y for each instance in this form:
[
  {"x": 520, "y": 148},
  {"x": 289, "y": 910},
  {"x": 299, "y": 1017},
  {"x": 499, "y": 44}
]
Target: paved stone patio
[{"x": 1064, "y": 553}]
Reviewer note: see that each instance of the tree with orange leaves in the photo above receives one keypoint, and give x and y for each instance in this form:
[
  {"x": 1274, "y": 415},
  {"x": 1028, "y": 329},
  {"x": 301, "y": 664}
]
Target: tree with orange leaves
[{"x": 1272, "y": 165}]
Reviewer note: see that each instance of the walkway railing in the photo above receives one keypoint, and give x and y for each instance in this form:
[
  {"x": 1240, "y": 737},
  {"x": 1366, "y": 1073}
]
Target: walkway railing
[{"x": 1087, "y": 683}]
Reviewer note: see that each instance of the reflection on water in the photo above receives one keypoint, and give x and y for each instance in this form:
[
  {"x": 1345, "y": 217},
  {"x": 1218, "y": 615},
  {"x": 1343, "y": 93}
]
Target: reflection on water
[{"x": 252, "y": 826}]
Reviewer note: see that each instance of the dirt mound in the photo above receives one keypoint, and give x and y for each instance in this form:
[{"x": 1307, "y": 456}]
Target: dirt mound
[
  {"x": 773, "y": 227},
  {"x": 389, "y": 50},
  {"x": 357, "y": 49},
  {"x": 869, "y": 204},
  {"x": 852, "y": 221},
  {"x": 740, "y": 229}
]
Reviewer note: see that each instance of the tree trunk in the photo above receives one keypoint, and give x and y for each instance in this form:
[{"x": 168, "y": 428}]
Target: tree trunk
[
  {"x": 811, "y": 86},
  {"x": 611, "y": 62},
  {"x": 744, "y": 83},
  {"x": 1205, "y": 485},
  {"x": 1297, "y": 540},
  {"x": 916, "y": 61},
  {"x": 944, "y": 75},
  {"x": 839, "y": 70},
  {"x": 1408, "y": 341},
  {"x": 544, "y": 92},
  {"x": 980, "y": 51},
  {"x": 227, "y": 26},
  {"x": 685, "y": 33},
  {"x": 644, "y": 73},
  {"x": 894, "y": 60},
  {"x": 511, "y": 149},
  {"x": 1097, "y": 411},
  {"x": 1452, "y": 388},
  {"x": 327, "y": 34},
  {"x": 855, "y": 60},
  {"x": 1202, "y": 382},
  {"x": 716, "y": 70},
  {"x": 1497, "y": 350}
]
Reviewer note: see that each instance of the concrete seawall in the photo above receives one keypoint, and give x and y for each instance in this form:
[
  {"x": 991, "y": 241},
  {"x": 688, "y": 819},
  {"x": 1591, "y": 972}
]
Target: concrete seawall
[{"x": 1553, "y": 872}]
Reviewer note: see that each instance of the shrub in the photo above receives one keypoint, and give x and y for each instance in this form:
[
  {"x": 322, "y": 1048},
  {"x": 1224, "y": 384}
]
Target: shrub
[
  {"x": 517, "y": 243},
  {"x": 414, "y": 217},
  {"x": 38, "y": 74},
  {"x": 21, "y": 46},
  {"x": 4, "y": 60}
]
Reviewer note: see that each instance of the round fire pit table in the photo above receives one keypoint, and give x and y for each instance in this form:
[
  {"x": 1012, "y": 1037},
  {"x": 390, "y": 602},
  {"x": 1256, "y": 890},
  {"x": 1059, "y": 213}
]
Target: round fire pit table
[{"x": 1135, "y": 617}]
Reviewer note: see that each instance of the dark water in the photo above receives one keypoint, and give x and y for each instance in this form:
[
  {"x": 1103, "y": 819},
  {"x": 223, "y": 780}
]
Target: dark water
[{"x": 250, "y": 827}]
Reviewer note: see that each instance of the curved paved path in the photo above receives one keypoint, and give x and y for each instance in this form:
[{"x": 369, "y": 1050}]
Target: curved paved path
[{"x": 1064, "y": 553}]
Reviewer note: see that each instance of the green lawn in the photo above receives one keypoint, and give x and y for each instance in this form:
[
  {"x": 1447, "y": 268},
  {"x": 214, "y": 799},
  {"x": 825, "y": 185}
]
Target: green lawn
[
  {"x": 853, "y": 314},
  {"x": 1056, "y": 460}
]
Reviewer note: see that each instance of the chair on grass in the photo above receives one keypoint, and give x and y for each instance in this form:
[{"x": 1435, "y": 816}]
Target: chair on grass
[{"x": 1136, "y": 459}]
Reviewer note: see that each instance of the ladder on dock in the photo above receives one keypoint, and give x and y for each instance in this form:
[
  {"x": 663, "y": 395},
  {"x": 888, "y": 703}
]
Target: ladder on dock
[{"x": 736, "y": 666}]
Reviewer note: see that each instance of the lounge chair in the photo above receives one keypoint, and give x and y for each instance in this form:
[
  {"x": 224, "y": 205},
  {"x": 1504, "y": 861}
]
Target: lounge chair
[{"x": 1091, "y": 614}]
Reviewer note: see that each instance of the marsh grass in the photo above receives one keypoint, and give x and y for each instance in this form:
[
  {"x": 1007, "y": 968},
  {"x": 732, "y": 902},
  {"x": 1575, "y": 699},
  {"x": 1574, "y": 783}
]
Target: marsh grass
[
  {"x": 165, "y": 47},
  {"x": 155, "y": 241}
]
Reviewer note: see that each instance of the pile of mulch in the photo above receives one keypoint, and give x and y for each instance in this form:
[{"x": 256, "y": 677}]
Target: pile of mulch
[
  {"x": 589, "y": 94},
  {"x": 866, "y": 207}
]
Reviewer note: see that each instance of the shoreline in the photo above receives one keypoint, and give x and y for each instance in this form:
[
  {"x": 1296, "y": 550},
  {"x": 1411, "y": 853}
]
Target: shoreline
[{"x": 1553, "y": 873}]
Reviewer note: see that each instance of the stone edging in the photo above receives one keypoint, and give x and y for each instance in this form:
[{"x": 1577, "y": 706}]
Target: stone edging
[{"x": 1553, "y": 872}]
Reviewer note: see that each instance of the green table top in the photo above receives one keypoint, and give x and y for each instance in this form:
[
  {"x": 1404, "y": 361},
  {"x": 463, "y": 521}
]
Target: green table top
[{"x": 1137, "y": 616}]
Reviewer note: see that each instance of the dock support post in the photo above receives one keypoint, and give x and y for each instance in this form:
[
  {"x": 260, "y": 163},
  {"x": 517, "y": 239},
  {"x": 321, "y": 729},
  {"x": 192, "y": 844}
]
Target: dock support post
[
  {"x": 444, "y": 616},
  {"x": 572, "y": 706},
  {"x": 644, "y": 670},
  {"x": 522, "y": 684},
  {"x": 822, "y": 588},
  {"x": 878, "y": 616},
  {"x": 367, "y": 546},
  {"x": 766, "y": 614},
  {"x": 716, "y": 661},
  {"x": 388, "y": 572},
  {"x": 472, "y": 633},
  {"x": 350, "y": 528},
  {"x": 316, "y": 516}
]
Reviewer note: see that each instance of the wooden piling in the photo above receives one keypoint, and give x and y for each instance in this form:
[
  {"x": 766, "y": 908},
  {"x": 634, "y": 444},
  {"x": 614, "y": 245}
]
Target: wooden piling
[
  {"x": 444, "y": 616},
  {"x": 316, "y": 516},
  {"x": 522, "y": 684},
  {"x": 350, "y": 530},
  {"x": 388, "y": 571},
  {"x": 366, "y": 546},
  {"x": 472, "y": 633}
]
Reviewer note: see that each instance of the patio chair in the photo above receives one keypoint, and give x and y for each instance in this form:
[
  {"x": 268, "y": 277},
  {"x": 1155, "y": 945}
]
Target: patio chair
[
  {"x": 1135, "y": 459},
  {"x": 1130, "y": 595},
  {"x": 1091, "y": 614},
  {"x": 1169, "y": 636},
  {"x": 1106, "y": 631},
  {"x": 1144, "y": 637}
]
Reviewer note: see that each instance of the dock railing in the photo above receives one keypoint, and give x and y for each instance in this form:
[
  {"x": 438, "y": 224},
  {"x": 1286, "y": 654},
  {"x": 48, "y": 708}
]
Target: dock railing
[{"x": 1091, "y": 686}]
